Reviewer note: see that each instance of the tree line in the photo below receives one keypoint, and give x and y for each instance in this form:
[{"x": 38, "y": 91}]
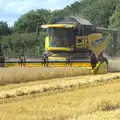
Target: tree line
[{"x": 22, "y": 37}]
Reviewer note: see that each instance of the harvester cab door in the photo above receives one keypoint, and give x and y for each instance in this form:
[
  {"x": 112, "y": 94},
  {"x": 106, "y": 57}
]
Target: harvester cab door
[{"x": 81, "y": 40}]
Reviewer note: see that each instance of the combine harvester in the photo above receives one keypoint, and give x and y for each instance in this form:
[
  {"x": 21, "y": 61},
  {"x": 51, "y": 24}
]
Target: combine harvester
[{"x": 71, "y": 41}]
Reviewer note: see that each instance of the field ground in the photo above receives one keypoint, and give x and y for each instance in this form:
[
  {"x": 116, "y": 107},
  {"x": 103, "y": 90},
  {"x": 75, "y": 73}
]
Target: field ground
[
  {"x": 28, "y": 94},
  {"x": 14, "y": 90},
  {"x": 92, "y": 103},
  {"x": 16, "y": 75}
]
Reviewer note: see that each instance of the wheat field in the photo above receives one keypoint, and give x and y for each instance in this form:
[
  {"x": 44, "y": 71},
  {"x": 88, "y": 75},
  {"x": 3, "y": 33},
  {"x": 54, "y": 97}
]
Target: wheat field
[
  {"x": 59, "y": 94},
  {"x": 57, "y": 84},
  {"x": 92, "y": 103},
  {"x": 16, "y": 75}
]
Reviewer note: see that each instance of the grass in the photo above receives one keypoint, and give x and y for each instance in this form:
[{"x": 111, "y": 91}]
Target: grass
[
  {"x": 93, "y": 103},
  {"x": 18, "y": 75}
]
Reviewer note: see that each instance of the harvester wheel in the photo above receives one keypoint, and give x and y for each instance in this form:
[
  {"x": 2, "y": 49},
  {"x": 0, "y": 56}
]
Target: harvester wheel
[
  {"x": 45, "y": 60},
  {"x": 68, "y": 61},
  {"x": 2, "y": 59},
  {"x": 93, "y": 61},
  {"x": 105, "y": 61},
  {"x": 22, "y": 60}
]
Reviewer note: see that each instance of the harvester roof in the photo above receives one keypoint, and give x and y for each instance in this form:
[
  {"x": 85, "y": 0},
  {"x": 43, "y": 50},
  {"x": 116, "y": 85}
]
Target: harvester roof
[
  {"x": 71, "y": 20},
  {"x": 68, "y": 22}
]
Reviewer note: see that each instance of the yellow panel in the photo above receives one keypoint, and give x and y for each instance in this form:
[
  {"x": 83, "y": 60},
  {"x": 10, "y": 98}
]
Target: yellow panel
[
  {"x": 101, "y": 68},
  {"x": 33, "y": 65},
  {"x": 50, "y": 65},
  {"x": 81, "y": 64},
  {"x": 46, "y": 42},
  {"x": 79, "y": 45},
  {"x": 58, "y": 26},
  {"x": 11, "y": 64},
  {"x": 60, "y": 48},
  {"x": 56, "y": 64},
  {"x": 83, "y": 43},
  {"x": 57, "y": 58},
  {"x": 99, "y": 46}
]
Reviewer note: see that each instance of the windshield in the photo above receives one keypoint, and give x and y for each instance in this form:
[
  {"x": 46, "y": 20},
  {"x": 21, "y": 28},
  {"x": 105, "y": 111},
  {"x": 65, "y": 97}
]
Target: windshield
[{"x": 61, "y": 37}]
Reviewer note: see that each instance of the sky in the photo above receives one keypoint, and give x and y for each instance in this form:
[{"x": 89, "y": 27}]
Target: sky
[{"x": 11, "y": 10}]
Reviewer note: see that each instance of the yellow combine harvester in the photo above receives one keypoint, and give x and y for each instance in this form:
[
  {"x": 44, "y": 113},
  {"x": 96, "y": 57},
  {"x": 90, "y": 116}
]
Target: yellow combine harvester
[{"x": 71, "y": 41}]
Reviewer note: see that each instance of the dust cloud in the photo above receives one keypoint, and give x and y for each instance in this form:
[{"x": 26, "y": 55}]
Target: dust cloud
[{"x": 113, "y": 63}]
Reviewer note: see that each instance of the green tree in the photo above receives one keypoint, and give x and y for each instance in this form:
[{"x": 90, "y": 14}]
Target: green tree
[
  {"x": 99, "y": 11},
  {"x": 29, "y": 21},
  {"x": 96, "y": 11},
  {"x": 4, "y": 29},
  {"x": 115, "y": 18},
  {"x": 58, "y": 13},
  {"x": 28, "y": 44},
  {"x": 115, "y": 23}
]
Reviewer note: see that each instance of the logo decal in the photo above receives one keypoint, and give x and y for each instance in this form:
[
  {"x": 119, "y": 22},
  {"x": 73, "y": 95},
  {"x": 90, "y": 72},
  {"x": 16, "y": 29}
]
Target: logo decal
[{"x": 98, "y": 41}]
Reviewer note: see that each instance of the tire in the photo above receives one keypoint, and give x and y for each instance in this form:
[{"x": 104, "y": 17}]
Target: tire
[
  {"x": 93, "y": 61},
  {"x": 2, "y": 61},
  {"x": 106, "y": 61}
]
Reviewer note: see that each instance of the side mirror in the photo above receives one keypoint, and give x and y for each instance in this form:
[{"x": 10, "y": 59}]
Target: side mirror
[
  {"x": 39, "y": 29},
  {"x": 44, "y": 30}
]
